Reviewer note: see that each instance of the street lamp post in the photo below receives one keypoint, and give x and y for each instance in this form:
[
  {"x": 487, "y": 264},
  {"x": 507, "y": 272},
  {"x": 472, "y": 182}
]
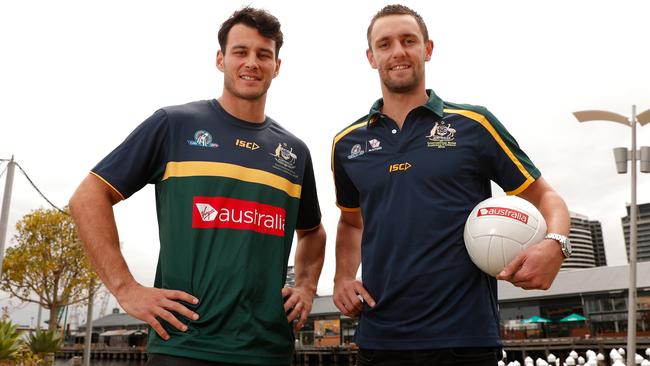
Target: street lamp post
[
  {"x": 4, "y": 211},
  {"x": 622, "y": 156}
]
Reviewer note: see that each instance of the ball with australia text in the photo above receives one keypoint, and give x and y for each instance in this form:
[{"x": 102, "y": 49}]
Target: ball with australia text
[{"x": 499, "y": 228}]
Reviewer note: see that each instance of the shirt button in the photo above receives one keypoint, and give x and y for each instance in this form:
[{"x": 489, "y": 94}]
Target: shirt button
[{"x": 394, "y": 131}]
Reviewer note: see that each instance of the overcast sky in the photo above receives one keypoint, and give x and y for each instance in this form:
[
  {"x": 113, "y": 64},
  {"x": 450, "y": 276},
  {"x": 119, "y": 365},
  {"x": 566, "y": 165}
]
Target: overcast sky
[{"x": 77, "y": 76}]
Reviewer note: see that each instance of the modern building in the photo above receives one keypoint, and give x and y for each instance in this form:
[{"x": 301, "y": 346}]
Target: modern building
[
  {"x": 600, "y": 294},
  {"x": 581, "y": 243},
  {"x": 643, "y": 232},
  {"x": 599, "y": 244}
]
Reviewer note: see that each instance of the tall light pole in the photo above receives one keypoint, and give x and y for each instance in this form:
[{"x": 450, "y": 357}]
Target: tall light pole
[
  {"x": 4, "y": 212},
  {"x": 622, "y": 156}
]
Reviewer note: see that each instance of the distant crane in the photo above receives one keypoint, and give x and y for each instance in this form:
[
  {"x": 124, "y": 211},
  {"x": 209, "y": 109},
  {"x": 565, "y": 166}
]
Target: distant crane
[{"x": 104, "y": 296}]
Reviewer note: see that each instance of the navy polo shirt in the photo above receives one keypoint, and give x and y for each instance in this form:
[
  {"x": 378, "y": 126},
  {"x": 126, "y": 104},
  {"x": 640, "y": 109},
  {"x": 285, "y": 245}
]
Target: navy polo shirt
[{"x": 415, "y": 188}]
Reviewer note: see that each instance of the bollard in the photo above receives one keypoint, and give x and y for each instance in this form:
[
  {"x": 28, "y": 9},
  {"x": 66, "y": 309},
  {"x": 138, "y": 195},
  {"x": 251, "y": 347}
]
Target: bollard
[
  {"x": 638, "y": 359},
  {"x": 76, "y": 360},
  {"x": 621, "y": 351},
  {"x": 48, "y": 359}
]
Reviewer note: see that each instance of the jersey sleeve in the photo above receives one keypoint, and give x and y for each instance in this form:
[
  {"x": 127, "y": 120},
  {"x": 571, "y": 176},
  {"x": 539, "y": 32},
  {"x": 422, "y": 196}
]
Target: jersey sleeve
[
  {"x": 309, "y": 215},
  {"x": 347, "y": 195},
  {"x": 139, "y": 159},
  {"x": 504, "y": 161}
]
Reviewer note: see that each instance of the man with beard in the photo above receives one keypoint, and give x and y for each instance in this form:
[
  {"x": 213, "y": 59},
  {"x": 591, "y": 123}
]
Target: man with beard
[
  {"x": 407, "y": 176},
  {"x": 232, "y": 185}
]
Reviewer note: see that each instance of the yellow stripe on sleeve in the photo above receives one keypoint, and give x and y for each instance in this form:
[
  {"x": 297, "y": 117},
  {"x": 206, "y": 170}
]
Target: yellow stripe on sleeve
[
  {"x": 108, "y": 184},
  {"x": 348, "y": 209},
  {"x": 336, "y": 139},
  {"x": 488, "y": 126}
]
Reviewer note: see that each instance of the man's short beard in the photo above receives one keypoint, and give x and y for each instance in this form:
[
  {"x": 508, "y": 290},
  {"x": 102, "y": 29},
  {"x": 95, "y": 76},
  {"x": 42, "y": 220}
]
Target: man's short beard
[{"x": 401, "y": 88}]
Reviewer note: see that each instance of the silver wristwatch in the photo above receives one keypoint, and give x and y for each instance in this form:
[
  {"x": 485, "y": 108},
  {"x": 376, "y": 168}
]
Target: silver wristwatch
[{"x": 564, "y": 242}]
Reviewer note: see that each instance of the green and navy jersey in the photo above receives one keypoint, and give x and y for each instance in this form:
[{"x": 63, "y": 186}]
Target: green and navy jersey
[
  {"x": 415, "y": 188},
  {"x": 229, "y": 195}
]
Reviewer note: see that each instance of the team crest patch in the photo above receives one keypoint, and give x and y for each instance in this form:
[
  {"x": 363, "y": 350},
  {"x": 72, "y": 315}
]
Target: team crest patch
[
  {"x": 356, "y": 150},
  {"x": 285, "y": 159},
  {"x": 441, "y": 136},
  {"x": 202, "y": 138},
  {"x": 374, "y": 145}
]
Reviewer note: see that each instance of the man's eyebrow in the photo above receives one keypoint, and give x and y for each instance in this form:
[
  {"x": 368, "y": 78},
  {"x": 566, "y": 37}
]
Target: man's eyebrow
[
  {"x": 381, "y": 39},
  {"x": 266, "y": 50},
  {"x": 402, "y": 35}
]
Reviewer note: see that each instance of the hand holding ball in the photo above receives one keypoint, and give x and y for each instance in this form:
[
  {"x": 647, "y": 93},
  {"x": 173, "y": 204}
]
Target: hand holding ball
[{"x": 499, "y": 228}]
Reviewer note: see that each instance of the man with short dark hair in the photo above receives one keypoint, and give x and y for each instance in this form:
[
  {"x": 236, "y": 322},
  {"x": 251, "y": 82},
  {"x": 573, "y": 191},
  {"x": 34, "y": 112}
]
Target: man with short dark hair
[
  {"x": 232, "y": 185},
  {"x": 407, "y": 176}
]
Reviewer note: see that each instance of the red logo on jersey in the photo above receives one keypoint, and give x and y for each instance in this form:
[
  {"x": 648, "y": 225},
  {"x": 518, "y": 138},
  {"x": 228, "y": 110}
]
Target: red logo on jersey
[
  {"x": 230, "y": 213},
  {"x": 503, "y": 211}
]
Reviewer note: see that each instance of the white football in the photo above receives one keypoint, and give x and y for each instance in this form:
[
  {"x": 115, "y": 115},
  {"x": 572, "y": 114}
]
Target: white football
[{"x": 499, "y": 228}]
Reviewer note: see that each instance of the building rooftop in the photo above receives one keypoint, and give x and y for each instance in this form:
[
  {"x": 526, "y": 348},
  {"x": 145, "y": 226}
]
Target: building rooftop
[
  {"x": 114, "y": 320},
  {"x": 323, "y": 305},
  {"x": 581, "y": 281}
]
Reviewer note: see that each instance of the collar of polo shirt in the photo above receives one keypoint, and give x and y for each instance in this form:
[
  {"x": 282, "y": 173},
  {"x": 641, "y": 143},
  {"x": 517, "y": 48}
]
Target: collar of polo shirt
[{"x": 434, "y": 104}]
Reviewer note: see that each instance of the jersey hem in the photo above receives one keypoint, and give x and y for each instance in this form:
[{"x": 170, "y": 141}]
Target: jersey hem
[
  {"x": 220, "y": 356},
  {"x": 435, "y": 343},
  {"x": 348, "y": 209},
  {"x": 311, "y": 228},
  {"x": 522, "y": 187},
  {"x": 108, "y": 184}
]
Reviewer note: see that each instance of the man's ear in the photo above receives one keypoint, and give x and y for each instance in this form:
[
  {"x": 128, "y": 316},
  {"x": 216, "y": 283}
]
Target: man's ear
[
  {"x": 277, "y": 68},
  {"x": 428, "y": 50},
  {"x": 220, "y": 61},
  {"x": 371, "y": 58}
]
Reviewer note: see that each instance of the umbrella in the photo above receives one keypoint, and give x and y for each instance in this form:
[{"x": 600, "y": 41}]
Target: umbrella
[
  {"x": 573, "y": 317},
  {"x": 537, "y": 319}
]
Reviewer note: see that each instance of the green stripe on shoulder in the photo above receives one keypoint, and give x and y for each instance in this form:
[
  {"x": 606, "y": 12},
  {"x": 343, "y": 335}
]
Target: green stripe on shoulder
[{"x": 503, "y": 138}]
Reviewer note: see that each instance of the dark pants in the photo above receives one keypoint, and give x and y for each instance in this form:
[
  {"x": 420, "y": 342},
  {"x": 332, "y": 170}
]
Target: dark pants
[
  {"x": 470, "y": 356},
  {"x": 166, "y": 360}
]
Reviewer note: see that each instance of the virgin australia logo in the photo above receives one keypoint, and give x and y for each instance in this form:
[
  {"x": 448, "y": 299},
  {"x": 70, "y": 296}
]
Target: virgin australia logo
[{"x": 202, "y": 138}]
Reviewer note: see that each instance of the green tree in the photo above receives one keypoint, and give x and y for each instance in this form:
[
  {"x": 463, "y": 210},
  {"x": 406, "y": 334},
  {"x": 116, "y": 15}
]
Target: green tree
[{"x": 47, "y": 264}]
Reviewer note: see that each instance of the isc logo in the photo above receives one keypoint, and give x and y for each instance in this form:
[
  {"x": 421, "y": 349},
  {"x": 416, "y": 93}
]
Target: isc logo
[
  {"x": 398, "y": 167},
  {"x": 246, "y": 144}
]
